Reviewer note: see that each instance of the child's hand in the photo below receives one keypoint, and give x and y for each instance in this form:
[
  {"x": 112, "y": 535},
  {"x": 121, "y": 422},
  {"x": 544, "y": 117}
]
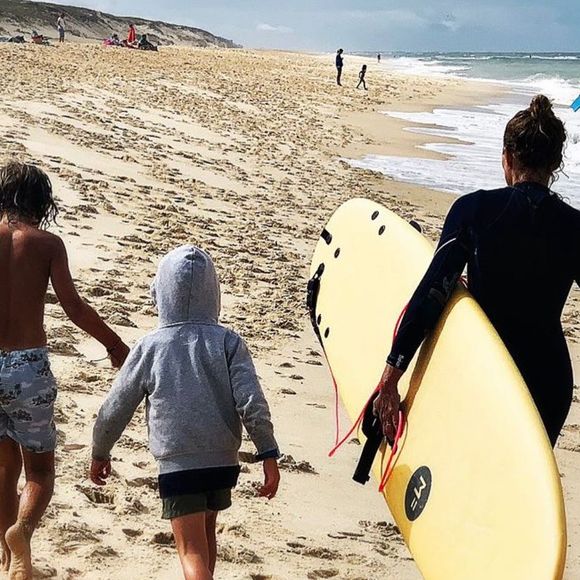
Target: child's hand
[
  {"x": 118, "y": 354},
  {"x": 100, "y": 471},
  {"x": 271, "y": 479}
]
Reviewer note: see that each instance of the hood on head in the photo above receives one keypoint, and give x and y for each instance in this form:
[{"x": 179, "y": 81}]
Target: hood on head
[{"x": 186, "y": 287}]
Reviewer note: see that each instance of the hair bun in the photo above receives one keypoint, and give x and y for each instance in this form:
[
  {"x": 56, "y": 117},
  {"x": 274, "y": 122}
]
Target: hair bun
[{"x": 540, "y": 107}]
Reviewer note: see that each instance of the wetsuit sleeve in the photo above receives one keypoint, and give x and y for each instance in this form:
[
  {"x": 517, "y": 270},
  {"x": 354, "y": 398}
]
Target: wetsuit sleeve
[{"x": 436, "y": 287}]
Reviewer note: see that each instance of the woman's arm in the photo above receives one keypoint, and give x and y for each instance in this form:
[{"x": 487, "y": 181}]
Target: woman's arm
[{"x": 424, "y": 309}]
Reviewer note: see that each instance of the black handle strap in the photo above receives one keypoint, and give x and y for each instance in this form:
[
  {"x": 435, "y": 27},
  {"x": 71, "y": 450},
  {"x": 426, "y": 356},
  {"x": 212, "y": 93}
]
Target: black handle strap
[
  {"x": 371, "y": 427},
  {"x": 312, "y": 298}
]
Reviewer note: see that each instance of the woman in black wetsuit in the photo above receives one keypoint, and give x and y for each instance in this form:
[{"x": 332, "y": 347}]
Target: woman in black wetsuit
[
  {"x": 521, "y": 245},
  {"x": 339, "y": 61}
]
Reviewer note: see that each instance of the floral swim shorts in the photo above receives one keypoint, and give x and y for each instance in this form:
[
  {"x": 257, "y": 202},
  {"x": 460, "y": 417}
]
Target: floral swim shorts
[{"x": 27, "y": 394}]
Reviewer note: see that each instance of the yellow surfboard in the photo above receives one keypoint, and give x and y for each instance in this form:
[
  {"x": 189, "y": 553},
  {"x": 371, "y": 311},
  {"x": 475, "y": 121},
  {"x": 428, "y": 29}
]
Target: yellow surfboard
[{"x": 475, "y": 488}]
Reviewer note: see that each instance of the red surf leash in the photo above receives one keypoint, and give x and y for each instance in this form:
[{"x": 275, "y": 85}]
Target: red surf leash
[
  {"x": 356, "y": 425},
  {"x": 394, "y": 449}
]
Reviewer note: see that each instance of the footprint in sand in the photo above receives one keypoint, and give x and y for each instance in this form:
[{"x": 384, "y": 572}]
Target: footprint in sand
[
  {"x": 288, "y": 463},
  {"x": 150, "y": 482},
  {"x": 237, "y": 530},
  {"x": 314, "y": 363},
  {"x": 97, "y": 496},
  {"x": 104, "y": 552},
  {"x": 314, "y": 552},
  {"x": 163, "y": 539},
  {"x": 227, "y": 553},
  {"x": 332, "y": 573},
  {"x": 130, "y": 533}
]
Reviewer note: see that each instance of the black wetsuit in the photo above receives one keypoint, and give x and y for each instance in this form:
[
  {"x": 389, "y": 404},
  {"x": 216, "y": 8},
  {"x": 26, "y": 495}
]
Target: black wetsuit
[
  {"x": 339, "y": 65},
  {"x": 522, "y": 249}
]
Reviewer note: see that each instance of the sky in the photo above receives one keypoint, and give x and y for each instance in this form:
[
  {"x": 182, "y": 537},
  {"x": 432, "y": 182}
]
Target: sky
[{"x": 358, "y": 25}]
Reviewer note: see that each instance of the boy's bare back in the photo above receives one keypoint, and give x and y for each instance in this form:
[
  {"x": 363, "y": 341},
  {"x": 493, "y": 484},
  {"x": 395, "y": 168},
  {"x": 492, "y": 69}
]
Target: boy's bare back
[{"x": 29, "y": 258}]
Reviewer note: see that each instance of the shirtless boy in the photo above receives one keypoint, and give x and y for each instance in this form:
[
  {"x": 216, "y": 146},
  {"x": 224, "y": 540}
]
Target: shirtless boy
[{"x": 29, "y": 258}]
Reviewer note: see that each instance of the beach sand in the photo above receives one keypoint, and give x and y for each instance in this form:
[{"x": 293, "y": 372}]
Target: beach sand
[{"x": 239, "y": 152}]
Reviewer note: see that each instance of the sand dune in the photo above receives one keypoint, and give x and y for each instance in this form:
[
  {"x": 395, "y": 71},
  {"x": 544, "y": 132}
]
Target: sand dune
[{"x": 18, "y": 17}]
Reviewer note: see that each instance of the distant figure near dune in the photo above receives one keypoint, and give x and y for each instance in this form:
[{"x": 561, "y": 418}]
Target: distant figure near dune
[
  {"x": 379, "y": 58},
  {"x": 132, "y": 35},
  {"x": 60, "y": 25},
  {"x": 144, "y": 44},
  {"x": 339, "y": 64}
]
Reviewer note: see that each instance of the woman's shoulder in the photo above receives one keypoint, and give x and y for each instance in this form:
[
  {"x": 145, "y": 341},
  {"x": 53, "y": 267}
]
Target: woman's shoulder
[
  {"x": 569, "y": 218},
  {"x": 564, "y": 205},
  {"x": 475, "y": 209},
  {"x": 490, "y": 195},
  {"x": 470, "y": 203},
  {"x": 484, "y": 196}
]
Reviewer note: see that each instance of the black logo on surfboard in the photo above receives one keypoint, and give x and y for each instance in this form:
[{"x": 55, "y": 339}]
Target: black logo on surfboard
[{"x": 418, "y": 491}]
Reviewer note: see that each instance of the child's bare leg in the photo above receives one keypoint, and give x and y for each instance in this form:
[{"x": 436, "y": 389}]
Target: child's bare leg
[
  {"x": 10, "y": 468},
  {"x": 210, "y": 524},
  {"x": 36, "y": 496},
  {"x": 192, "y": 546}
]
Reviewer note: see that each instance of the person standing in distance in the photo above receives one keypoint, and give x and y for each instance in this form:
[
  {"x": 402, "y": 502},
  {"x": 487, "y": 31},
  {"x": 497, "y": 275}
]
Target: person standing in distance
[
  {"x": 132, "y": 36},
  {"x": 60, "y": 25},
  {"x": 339, "y": 64}
]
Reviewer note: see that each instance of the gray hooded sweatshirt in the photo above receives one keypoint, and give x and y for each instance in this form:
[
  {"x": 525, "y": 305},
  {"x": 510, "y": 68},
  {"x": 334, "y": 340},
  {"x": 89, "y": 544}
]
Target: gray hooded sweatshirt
[{"x": 197, "y": 377}]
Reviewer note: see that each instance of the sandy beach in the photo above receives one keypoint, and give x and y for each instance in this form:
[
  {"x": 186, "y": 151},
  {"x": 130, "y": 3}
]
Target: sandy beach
[{"x": 242, "y": 153}]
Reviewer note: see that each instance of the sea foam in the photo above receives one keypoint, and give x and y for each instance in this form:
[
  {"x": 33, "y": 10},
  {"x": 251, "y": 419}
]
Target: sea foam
[{"x": 473, "y": 157}]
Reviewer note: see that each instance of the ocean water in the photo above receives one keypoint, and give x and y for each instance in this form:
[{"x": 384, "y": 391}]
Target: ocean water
[{"x": 474, "y": 160}]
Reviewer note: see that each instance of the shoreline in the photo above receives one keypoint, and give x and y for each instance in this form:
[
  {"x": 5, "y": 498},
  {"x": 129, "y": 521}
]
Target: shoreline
[
  {"x": 457, "y": 94},
  {"x": 454, "y": 127},
  {"x": 240, "y": 152}
]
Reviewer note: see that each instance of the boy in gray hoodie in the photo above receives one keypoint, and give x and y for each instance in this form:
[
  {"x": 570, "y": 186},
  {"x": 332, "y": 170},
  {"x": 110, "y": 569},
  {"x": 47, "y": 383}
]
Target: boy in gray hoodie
[{"x": 200, "y": 385}]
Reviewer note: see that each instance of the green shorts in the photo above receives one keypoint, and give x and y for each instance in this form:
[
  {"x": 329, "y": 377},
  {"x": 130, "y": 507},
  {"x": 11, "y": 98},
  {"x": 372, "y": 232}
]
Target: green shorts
[{"x": 185, "y": 505}]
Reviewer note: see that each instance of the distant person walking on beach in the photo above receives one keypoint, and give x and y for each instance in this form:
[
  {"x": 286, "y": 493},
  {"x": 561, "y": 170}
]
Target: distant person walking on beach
[
  {"x": 60, "y": 25},
  {"x": 200, "y": 385},
  {"x": 521, "y": 245},
  {"x": 361, "y": 77},
  {"x": 30, "y": 257},
  {"x": 339, "y": 64},
  {"x": 379, "y": 58}
]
